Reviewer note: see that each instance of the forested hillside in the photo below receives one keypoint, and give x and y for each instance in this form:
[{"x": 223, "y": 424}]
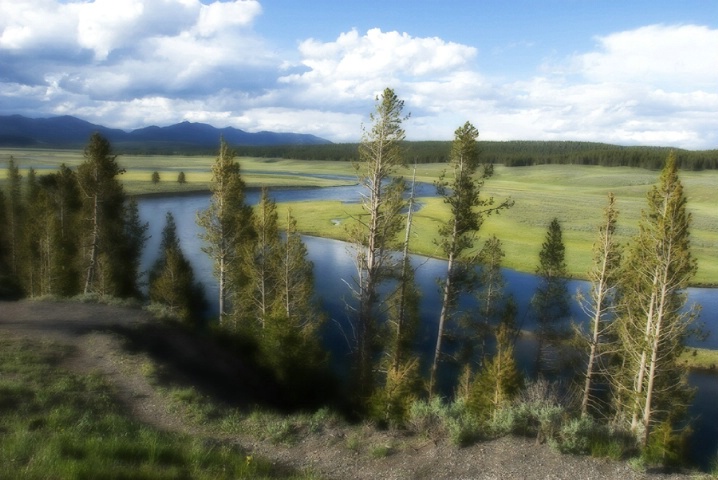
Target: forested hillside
[{"x": 513, "y": 153}]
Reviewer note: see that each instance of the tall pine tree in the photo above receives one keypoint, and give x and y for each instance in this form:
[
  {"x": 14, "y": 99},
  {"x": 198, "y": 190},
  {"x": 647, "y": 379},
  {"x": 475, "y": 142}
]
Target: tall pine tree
[
  {"x": 467, "y": 213},
  {"x": 291, "y": 337},
  {"x": 391, "y": 402},
  {"x": 550, "y": 302},
  {"x": 62, "y": 245},
  {"x": 34, "y": 266},
  {"x": 258, "y": 298},
  {"x": 8, "y": 287},
  {"x": 103, "y": 203},
  {"x": 600, "y": 303},
  {"x": 653, "y": 323},
  {"x": 14, "y": 218},
  {"x": 227, "y": 226},
  {"x": 171, "y": 279},
  {"x": 375, "y": 233}
]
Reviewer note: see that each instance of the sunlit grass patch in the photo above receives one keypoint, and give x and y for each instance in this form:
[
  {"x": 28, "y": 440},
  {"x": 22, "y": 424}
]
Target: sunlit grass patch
[
  {"x": 55, "y": 424},
  {"x": 700, "y": 359}
]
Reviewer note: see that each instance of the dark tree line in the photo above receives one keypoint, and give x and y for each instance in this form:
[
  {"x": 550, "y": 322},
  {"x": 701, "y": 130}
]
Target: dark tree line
[{"x": 510, "y": 153}]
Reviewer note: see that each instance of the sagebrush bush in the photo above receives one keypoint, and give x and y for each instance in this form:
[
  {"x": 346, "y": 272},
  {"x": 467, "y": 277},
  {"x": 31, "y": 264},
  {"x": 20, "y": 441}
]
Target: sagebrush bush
[
  {"x": 437, "y": 419},
  {"x": 426, "y": 417},
  {"x": 538, "y": 411},
  {"x": 578, "y": 434}
]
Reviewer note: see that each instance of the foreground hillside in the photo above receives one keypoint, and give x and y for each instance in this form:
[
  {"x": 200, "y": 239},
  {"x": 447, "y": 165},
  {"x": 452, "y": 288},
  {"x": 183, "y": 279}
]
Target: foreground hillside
[{"x": 174, "y": 382}]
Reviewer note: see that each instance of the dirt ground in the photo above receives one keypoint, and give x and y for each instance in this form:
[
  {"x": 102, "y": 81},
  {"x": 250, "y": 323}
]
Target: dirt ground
[{"x": 98, "y": 331}]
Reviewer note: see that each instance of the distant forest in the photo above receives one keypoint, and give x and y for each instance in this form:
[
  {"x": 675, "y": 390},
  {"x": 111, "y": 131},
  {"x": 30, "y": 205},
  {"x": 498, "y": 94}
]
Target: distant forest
[{"x": 511, "y": 153}]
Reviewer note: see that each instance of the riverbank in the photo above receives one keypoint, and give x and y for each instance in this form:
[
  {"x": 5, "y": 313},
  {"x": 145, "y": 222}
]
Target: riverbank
[{"x": 701, "y": 360}]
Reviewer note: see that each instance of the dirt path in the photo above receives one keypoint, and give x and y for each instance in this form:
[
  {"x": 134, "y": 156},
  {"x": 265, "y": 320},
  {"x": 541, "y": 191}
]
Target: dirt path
[{"x": 340, "y": 453}]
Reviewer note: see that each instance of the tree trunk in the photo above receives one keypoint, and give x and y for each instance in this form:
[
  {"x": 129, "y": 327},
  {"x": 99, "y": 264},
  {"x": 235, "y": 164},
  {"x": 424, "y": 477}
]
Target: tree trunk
[
  {"x": 404, "y": 272},
  {"x": 445, "y": 305},
  {"x": 89, "y": 280}
]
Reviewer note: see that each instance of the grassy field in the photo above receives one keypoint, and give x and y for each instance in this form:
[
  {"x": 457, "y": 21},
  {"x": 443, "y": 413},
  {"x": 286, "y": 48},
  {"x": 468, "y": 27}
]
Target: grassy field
[
  {"x": 137, "y": 178},
  {"x": 576, "y": 195},
  {"x": 56, "y": 424}
]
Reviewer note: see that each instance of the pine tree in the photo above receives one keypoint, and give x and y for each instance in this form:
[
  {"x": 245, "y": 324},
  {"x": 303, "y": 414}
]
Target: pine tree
[
  {"x": 171, "y": 279},
  {"x": 61, "y": 244},
  {"x": 129, "y": 247},
  {"x": 181, "y": 178},
  {"x": 291, "y": 341},
  {"x": 499, "y": 380},
  {"x": 227, "y": 225},
  {"x": 278, "y": 309},
  {"x": 32, "y": 261},
  {"x": 400, "y": 366},
  {"x": 296, "y": 281},
  {"x": 467, "y": 213},
  {"x": 404, "y": 303},
  {"x": 651, "y": 388},
  {"x": 374, "y": 235},
  {"x": 550, "y": 302},
  {"x": 600, "y": 304},
  {"x": 14, "y": 217},
  {"x": 155, "y": 177},
  {"x": 490, "y": 297},
  {"x": 258, "y": 298},
  {"x": 103, "y": 203},
  {"x": 8, "y": 287}
]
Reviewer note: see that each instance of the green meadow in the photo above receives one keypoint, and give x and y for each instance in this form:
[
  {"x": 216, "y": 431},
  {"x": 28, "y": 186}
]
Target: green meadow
[{"x": 575, "y": 194}]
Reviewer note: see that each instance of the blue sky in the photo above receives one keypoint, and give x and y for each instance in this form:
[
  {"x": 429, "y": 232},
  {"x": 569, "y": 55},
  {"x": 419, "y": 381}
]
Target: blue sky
[{"x": 626, "y": 72}]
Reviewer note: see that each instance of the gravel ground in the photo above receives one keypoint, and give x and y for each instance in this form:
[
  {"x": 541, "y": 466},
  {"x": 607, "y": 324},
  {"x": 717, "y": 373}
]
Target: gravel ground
[{"x": 336, "y": 452}]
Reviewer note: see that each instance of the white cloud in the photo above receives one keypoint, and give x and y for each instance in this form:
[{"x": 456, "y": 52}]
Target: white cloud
[
  {"x": 666, "y": 56},
  {"x": 107, "y": 24},
  {"x": 356, "y": 67},
  {"x": 33, "y": 25},
  {"x": 131, "y": 63},
  {"x": 217, "y": 16}
]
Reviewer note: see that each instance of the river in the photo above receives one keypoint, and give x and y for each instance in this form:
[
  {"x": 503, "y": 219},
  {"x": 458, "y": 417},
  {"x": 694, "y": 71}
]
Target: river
[{"x": 333, "y": 266}]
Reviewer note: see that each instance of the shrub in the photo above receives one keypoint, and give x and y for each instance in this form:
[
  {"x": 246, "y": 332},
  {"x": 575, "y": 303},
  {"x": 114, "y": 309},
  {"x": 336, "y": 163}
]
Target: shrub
[
  {"x": 538, "y": 411},
  {"x": 577, "y": 435},
  {"x": 426, "y": 417},
  {"x": 381, "y": 451},
  {"x": 437, "y": 419},
  {"x": 666, "y": 446}
]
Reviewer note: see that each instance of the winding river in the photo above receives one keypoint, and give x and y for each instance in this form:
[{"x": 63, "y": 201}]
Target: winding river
[{"x": 333, "y": 267}]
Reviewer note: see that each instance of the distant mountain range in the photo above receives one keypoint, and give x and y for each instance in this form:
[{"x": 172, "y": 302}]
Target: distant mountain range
[{"x": 72, "y": 132}]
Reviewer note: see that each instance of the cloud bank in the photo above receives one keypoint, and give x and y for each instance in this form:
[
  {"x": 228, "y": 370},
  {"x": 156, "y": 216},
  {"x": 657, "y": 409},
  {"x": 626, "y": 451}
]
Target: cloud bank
[{"x": 132, "y": 63}]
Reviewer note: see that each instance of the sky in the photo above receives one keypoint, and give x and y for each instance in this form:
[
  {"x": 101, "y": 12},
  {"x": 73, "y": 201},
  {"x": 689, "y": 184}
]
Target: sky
[{"x": 639, "y": 72}]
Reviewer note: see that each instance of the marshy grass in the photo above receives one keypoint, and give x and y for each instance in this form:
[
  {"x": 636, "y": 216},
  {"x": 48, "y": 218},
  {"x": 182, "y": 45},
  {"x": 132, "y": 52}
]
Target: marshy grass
[{"x": 56, "y": 424}]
